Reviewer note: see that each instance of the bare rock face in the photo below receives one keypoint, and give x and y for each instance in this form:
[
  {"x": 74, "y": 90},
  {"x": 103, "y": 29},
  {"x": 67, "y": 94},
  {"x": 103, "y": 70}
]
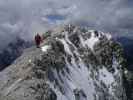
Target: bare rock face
[{"x": 74, "y": 63}]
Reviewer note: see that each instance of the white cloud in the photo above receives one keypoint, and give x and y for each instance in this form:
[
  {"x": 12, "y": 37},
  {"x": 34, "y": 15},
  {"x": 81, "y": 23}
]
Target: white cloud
[{"x": 25, "y": 17}]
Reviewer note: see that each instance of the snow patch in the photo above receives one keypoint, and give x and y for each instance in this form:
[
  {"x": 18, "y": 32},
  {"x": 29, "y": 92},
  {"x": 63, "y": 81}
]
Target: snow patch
[
  {"x": 90, "y": 42},
  {"x": 45, "y": 48},
  {"x": 126, "y": 72},
  {"x": 106, "y": 76},
  {"x": 66, "y": 46},
  {"x": 108, "y": 36}
]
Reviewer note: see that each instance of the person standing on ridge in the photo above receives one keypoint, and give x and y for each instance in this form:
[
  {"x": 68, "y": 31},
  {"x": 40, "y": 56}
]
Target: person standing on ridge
[{"x": 38, "y": 40}]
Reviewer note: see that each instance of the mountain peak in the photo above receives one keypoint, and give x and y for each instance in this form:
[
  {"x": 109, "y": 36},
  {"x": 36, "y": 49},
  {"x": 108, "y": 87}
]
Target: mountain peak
[{"x": 73, "y": 63}]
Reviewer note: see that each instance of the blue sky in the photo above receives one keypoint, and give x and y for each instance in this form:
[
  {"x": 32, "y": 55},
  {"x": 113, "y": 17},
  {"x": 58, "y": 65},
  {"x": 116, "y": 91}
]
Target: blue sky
[{"x": 26, "y": 17}]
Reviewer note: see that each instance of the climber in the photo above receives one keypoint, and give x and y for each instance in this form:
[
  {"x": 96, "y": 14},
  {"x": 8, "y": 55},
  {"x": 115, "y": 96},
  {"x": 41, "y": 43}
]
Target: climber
[{"x": 38, "y": 40}]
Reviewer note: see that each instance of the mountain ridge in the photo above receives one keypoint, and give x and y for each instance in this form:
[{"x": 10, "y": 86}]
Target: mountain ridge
[{"x": 73, "y": 63}]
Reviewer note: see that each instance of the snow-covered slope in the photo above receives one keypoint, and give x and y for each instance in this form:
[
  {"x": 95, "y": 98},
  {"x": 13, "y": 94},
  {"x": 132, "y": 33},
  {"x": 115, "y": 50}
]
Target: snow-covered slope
[{"x": 74, "y": 63}]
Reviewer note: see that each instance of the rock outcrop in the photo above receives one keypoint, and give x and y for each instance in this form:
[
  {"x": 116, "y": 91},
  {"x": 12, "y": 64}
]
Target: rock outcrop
[{"x": 73, "y": 63}]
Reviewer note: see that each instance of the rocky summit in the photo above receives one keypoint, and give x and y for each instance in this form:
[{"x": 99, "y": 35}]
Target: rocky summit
[{"x": 73, "y": 63}]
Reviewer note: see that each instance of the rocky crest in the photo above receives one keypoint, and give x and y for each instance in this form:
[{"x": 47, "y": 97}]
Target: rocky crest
[{"x": 73, "y": 63}]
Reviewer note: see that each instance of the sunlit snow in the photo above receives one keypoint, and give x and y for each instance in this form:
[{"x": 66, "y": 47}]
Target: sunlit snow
[{"x": 45, "y": 48}]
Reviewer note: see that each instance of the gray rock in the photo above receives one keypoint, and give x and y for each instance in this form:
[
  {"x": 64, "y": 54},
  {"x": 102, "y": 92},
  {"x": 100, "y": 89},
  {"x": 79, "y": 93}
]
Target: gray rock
[{"x": 73, "y": 68}]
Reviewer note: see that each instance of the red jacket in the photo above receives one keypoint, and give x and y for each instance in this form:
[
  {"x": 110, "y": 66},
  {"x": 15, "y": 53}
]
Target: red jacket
[{"x": 38, "y": 39}]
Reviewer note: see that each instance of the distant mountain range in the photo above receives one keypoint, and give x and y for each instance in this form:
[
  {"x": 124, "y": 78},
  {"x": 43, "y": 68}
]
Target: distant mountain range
[
  {"x": 12, "y": 51},
  {"x": 127, "y": 44}
]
